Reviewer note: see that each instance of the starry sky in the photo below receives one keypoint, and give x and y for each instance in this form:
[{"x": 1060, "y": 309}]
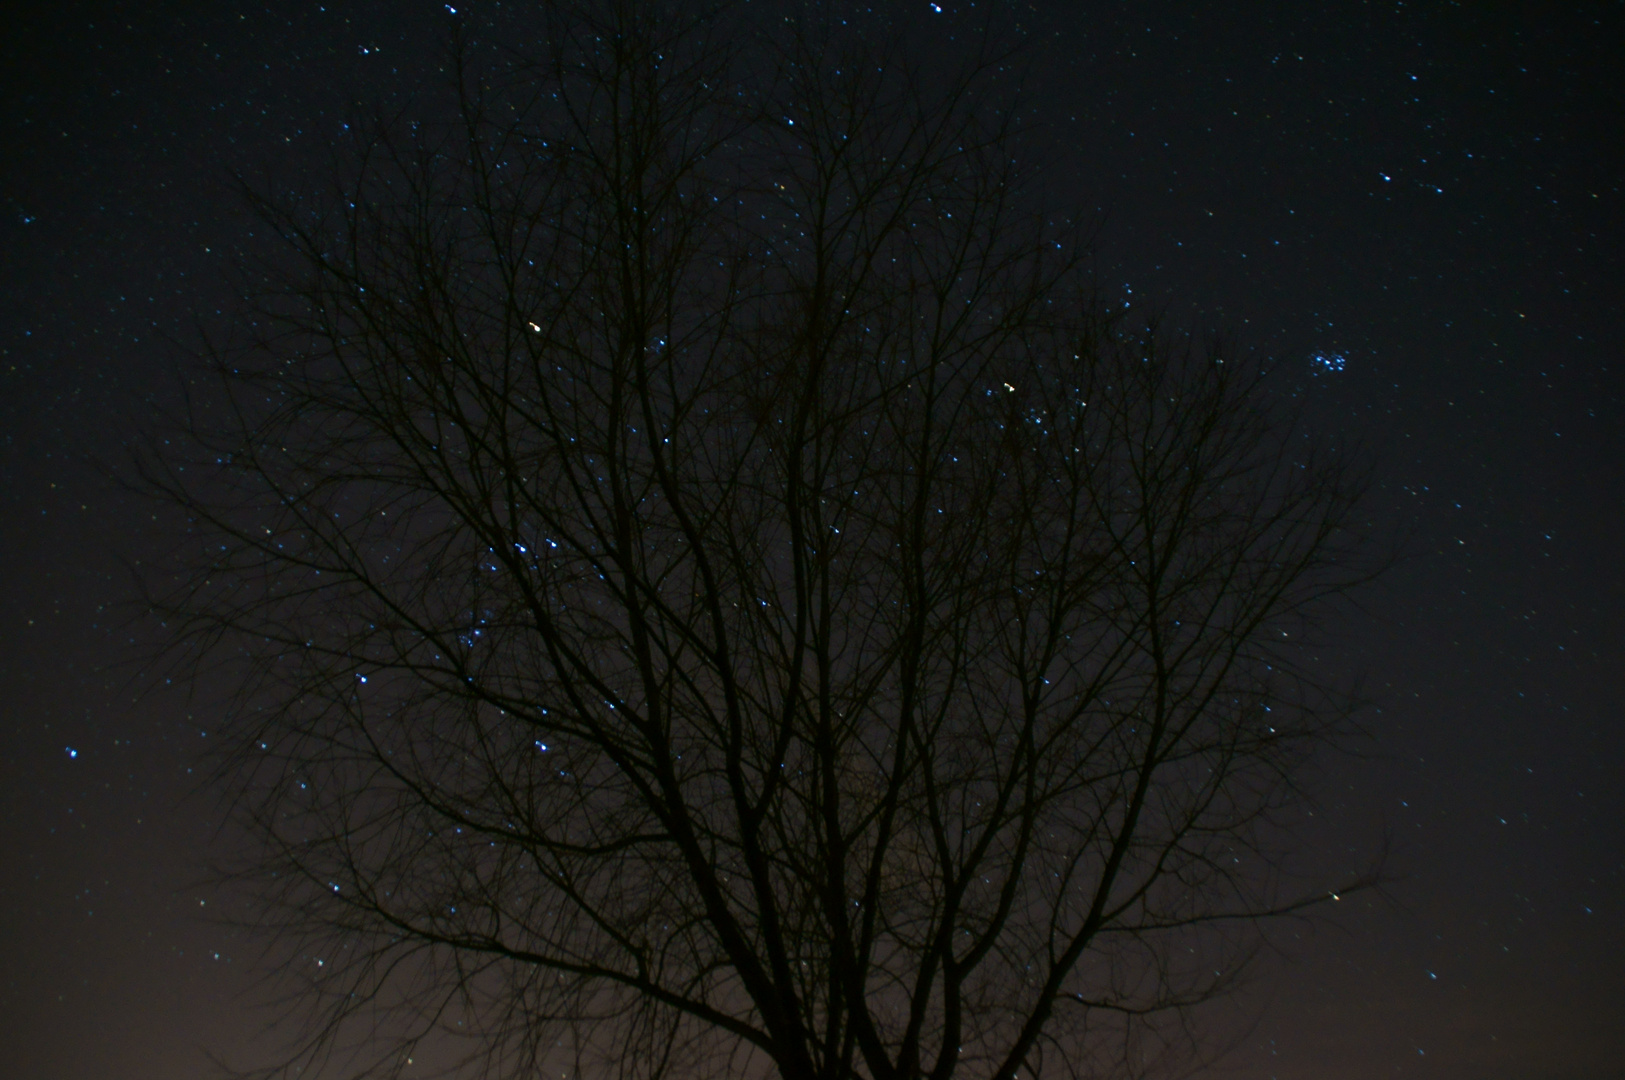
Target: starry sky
[{"x": 1414, "y": 206}]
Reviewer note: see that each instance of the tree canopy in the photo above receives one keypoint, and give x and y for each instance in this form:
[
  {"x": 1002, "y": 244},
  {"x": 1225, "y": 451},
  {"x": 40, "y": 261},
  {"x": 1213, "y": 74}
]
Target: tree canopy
[{"x": 708, "y": 588}]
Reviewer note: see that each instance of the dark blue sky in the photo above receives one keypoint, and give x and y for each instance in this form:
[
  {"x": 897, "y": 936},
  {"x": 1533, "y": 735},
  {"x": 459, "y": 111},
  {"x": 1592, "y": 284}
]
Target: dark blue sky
[{"x": 1430, "y": 192}]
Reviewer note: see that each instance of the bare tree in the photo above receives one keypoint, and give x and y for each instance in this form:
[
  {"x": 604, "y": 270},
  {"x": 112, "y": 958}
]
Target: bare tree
[{"x": 708, "y": 591}]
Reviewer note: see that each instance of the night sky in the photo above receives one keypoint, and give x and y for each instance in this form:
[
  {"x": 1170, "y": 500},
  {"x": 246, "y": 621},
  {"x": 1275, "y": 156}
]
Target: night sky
[{"x": 1416, "y": 207}]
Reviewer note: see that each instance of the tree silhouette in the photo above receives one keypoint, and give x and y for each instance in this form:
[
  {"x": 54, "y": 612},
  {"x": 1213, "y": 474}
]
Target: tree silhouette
[{"x": 708, "y": 591}]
